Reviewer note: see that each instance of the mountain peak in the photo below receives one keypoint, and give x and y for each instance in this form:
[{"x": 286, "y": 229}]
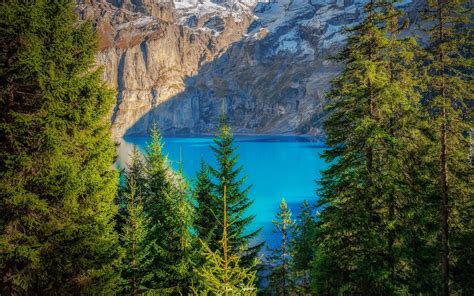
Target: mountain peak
[{"x": 174, "y": 63}]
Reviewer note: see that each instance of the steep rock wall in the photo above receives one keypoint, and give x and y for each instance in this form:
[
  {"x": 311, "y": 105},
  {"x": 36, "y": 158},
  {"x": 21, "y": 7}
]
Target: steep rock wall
[
  {"x": 147, "y": 53},
  {"x": 180, "y": 63}
]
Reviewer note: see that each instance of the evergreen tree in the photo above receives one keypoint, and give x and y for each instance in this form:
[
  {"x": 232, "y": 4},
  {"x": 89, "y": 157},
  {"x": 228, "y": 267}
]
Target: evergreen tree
[
  {"x": 57, "y": 182},
  {"x": 281, "y": 280},
  {"x": 222, "y": 273},
  {"x": 302, "y": 247},
  {"x": 450, "y": 88},
  {"x": 350, "y": 224},
  {"x": 206, "y": 204},
  {"x": 408, "y": 213},
  {"x": 135, "y": 268},
  {"x": 135, "y": 173},
  {"x": 373, "y": 107},
  {"x": 169, "y": 216},
  {"x": 227, "y": 174}
]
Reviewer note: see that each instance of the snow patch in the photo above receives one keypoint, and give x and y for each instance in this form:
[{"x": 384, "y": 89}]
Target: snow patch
[
  {"x": 200, "y": 8},
  {"x": 138, "y": 23},
  {"x": 291, "y": 42},
  {"x": 288, "y": 42}
]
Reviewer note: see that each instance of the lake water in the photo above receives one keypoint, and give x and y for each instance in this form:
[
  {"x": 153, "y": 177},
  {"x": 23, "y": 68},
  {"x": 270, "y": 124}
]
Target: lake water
[{"x": 276, "y": 167}]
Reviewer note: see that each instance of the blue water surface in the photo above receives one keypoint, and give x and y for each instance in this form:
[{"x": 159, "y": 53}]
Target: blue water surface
[{"x": 275, "y": 167}]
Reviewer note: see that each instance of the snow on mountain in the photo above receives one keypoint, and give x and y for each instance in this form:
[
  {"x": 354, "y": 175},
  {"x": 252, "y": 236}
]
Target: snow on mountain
[
  {"x": 191, "y": 10},
  {"x": 325, "y": 17},
  {"x": 174, "y": 63}
]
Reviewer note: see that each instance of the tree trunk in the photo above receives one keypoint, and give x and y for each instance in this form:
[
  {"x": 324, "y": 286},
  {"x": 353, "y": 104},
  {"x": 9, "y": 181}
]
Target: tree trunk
[{"x": 224, "y": 242}]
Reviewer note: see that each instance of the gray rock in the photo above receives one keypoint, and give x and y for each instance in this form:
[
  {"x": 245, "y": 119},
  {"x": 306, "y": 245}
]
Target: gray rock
[{"x": 180, "y": 64}]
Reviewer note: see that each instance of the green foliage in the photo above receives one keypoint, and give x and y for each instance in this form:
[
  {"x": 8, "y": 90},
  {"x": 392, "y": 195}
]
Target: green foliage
[
  {"x": 375, "y": 133},
  {"x": 222, "y": 274},
  {"x": 450, "y": 89},
  {"x": 133, "y": 230},
  {"x": 135, "y": 173},
  {"x": 228, "y": 264},
  {"x": 396, "y": 195},
  {"x": 396, "y": 202},
  {"x": 169, "y": 215},
  {"x": 206, "y": 205},
  {"x": 57, "y": 183},
  {"x": 326, "y": 274},
  {"x": 281, "y": 279},
  {"x": 227, "y": 174},
  {"x": 302, "y": 249}
]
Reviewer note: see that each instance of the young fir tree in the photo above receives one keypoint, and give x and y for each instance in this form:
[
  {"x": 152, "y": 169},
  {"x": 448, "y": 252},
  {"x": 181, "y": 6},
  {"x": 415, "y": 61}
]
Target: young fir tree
[
  {"x": 372, "y": 118},
  {"x": 57, "y": 182},
  {"x": 450, "y": 88},
  {"x": 227, "y": 174},
  {"x": 169, "y": 216},
  {"x": 301, "y": 246},
  {"x": 206, "y": 204},
  {"x": 222, "y": 273},
  {"x": 135, "y": 172},
  {"x": 133, "y": 230},
  {"x": 281, "y": 280}
]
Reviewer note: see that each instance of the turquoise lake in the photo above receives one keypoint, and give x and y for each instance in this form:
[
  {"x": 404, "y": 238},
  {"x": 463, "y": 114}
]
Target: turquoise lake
[{"x": 276, "y": 167}]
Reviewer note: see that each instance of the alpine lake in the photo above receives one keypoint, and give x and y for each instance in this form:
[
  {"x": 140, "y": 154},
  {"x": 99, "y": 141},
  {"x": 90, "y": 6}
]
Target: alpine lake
[{"x": 275, "y": 167}]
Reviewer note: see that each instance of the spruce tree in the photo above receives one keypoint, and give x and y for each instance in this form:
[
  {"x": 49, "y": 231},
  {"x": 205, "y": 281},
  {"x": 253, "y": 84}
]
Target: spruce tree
[
  {"x": 57, "y": 182},
  {"x": 135, "y": 172},
  {"x": 169, "y": 215},
  {"x": 206, "y": 205},
  {"x": 450, "y": 89},
  {"x": 407, "y": 217},
  {"x": 281, "y": 279},
  {"x": 301, "y": 246},
  {"x": 373, "y": 107},
  {"x": 222, "y": 273},
  {"x": 227, "y": 174},
  {"x": 136, "y": 266},
  {"x": 350, "y": 224}
]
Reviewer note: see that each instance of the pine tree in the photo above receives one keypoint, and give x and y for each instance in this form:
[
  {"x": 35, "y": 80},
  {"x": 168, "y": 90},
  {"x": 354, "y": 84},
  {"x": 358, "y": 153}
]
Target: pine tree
[
  {"x": 206, "y": 205},
  {"x": 135, "y": 267},
  {"x": 227, "y": 174},
  {"x": 450, "y": 88},
  {"x": 169, "y": 216},
  {"x": 350, "y": 224},
  {"x": 222, "y": 273},
  {"x": 407, "y": 216},
  {"x": 135, "y": 173},
  {"x": 57, "y": 182},
  {"x": 281, "y": 280},
  {"x": 302, "y": 247},
  {"x": 134, "y": 232},
  {"x": 373, "y": 106}
]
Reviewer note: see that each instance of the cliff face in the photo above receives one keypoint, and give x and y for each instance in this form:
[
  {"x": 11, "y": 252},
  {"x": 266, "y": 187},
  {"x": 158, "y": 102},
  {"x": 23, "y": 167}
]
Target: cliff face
[
  {"x": 178, "y": 64},
  {"x": 146, "y": 53}
]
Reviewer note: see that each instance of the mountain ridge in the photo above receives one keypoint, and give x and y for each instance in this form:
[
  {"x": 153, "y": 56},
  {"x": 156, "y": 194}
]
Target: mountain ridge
[{"x": 178, "y": 63}]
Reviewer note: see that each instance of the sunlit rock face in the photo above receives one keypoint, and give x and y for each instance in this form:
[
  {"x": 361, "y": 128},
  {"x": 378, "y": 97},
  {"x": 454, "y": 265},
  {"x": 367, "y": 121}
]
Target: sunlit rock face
[{"x": 180, "y": 64}]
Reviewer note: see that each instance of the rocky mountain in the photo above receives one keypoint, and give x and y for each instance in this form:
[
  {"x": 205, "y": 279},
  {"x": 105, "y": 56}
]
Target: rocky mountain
[{"x": 181, "y": 63}]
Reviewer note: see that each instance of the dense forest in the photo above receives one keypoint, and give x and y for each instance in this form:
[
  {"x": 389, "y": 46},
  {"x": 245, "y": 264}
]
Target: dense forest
[{"x": 394, "y": 213}]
